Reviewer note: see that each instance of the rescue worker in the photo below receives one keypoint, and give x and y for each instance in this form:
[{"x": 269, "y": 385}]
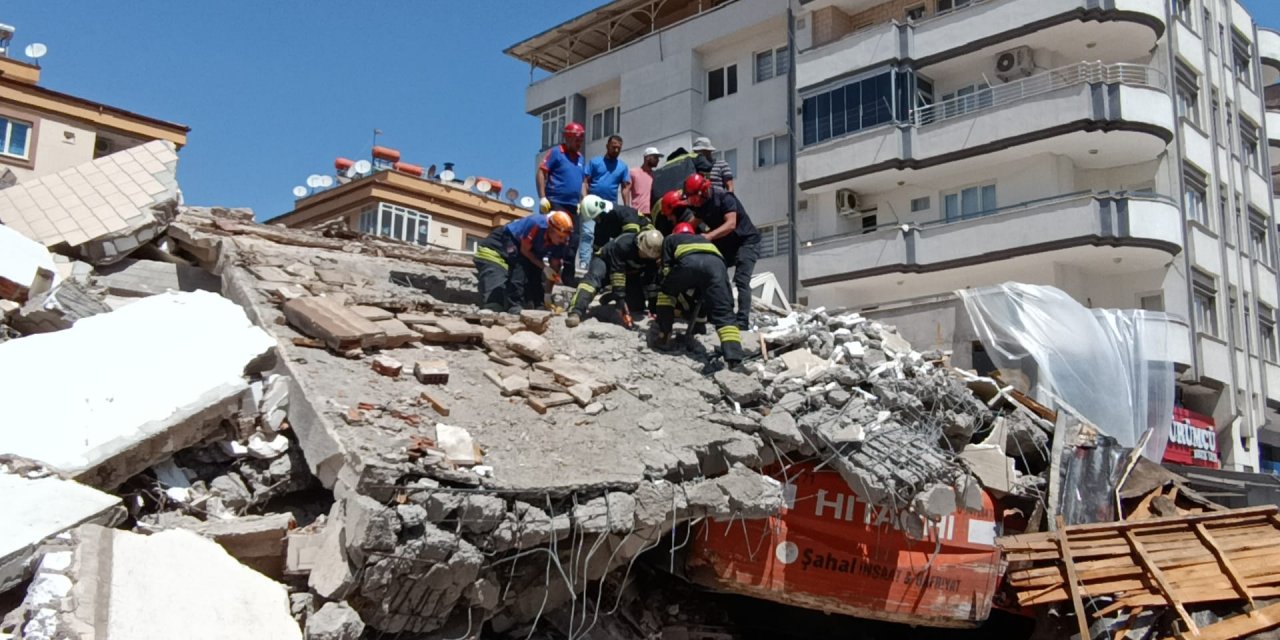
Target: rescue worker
[
  {"x": 673, "y": 209},
  {"x": 510, "y": 261},
  {"x": 730, "y": 229},
  {"x": 612, "y": 220},
  {"x": 692, "y": 266},
  {"x": 623, "y": 260},
  {"x": 559, "y": 179}
]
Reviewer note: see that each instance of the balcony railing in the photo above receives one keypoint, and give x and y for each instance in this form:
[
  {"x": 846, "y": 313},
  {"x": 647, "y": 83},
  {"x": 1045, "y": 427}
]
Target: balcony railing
[{"x": 1134, "y": 75}]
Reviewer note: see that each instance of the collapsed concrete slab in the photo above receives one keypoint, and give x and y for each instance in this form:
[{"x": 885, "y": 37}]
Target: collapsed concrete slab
[
  {"x": 102, "y": 210},
  {"x": 104, "y": 584},
  {"x": 140, "y": 278},
  {"x": 26, "y": 267},
  {"x": 93, "y": 404},
  {"x": 38, "y": 508}
]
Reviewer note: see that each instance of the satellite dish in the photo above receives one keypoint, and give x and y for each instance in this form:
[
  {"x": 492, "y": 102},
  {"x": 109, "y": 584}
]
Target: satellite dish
[
  {"x": 351, "y": 172},
  {"x": 313, "y": 180},
  {"x": 483, "y": 186},
  {"x": 447, "y": 175},
  {"x": 362, "y": 166},
  {"x": 431, "y": 172},
  {"x": 299, "y": 191},
  {"x": 326, "y": 182},
  {"x": 512, "y": 194},
  {"x": 527, "y": 202},
  {"x": 469, "y": 182},
  {"x": 36, "y": 50}
]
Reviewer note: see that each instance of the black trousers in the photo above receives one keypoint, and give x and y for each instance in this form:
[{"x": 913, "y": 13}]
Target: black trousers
[
  {"x": 508, "y": 283},
  {"x": 595, "y": 279},
  {"x": 706, "y": 277},
  {"x": 744, "y": 267},
  {"x": 568, "y": 277}
]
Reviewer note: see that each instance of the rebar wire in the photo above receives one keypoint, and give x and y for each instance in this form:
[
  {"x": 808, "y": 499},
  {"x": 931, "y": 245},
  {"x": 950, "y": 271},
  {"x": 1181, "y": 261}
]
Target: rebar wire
[{"x": 466, "y": 635}]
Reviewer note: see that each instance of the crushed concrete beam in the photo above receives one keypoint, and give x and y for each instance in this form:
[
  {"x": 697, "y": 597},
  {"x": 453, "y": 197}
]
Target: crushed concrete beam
[
  {"x": 398, "y": 334},
  {"x": 256, "y": 541},
  {"x": 122, "y": 423}
]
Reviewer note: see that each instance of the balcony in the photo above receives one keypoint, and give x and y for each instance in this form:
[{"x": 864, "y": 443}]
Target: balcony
[
  {"x": 1269, "y": 51},
  {"x": 1125, "y": 32},
  {"x": 1137, "y": 232},
  {"x": 1101, "y": 115}
]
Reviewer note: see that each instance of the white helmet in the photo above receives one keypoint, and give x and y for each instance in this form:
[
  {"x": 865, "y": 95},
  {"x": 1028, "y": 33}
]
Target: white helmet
[
  {"x": 592, "y": 206},
  {"x": 649, "y": 243}
]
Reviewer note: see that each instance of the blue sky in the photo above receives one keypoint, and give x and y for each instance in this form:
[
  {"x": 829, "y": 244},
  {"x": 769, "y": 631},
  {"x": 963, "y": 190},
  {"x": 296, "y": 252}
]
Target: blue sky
[{"x": 275, "y": 90}]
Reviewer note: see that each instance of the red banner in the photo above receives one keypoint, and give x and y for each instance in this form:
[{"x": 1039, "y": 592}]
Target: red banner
[
  {"x": 828, "y": 550},
  {"x": 1193, "y": 440}
]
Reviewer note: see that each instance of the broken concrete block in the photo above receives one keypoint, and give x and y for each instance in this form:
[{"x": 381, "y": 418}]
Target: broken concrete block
[
  {"x": 802, "y": 363},
  {"x": 337, "y": 277},
  {"x": 26, "y": 267},
  {"x": 652, "y": 421},
  {"x": 40, "y": 508},
  {"x": 935, "y": 502},
  {"x": 398, "y": 334},
  {"x": 412, "y": 318},
  {"x": 340, "y": 327},
  {"x": 334, "y": 621},
  {"x": 992, "y": 467},
  {"x": 141, "y": 278},
  {"x": 513, "y": 385},
  {"x": 894, "y": 343},
  {"x": 58, "y": 309},
  {"x": 530, "y": 345},
  {"x": 387, "y": 366},
  {"x": 581, "y": 394},
  {"x": 541, "y": 405},
  {"x": 122, "y": 423},
  {"x": 780, "y": 426},
  {"x": 332, "y": 576},
  {"x": 535, "y": 320},
  {"x": 431, "y": 371},
  {"x": 457, "y": 445},
  {"x": 571, "y": 372},
  {"x": 8, "y": 308},
  {"x": 742, "y": 389},
  {"x": 269, "y": 273},
  {"x": 372, "y": 314},
  {"x": 157, "y": 601},
  {"x": 256, "y": 541},
  {"x": 450, "y": 331},
  {"x": 300, "y": 270}
]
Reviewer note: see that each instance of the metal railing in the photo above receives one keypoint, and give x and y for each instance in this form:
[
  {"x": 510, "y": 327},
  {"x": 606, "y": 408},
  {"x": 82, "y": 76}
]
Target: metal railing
[{"x": 1134, "y": 75}]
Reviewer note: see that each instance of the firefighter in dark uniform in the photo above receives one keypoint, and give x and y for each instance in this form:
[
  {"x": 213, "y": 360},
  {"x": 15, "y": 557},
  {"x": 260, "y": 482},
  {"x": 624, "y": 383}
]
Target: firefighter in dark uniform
[
  {"x": 510, "y": 263},
  {"x": 622, "y": 261},
  {"x": 730, "y": 229},
  {"x": 694, "y": 268},
  {"x": 612, "y": 220}
]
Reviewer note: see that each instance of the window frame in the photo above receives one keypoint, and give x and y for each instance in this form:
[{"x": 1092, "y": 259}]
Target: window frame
[
  {"x": 1204, "y": 305},
  {"x": 921, "y": 7},
  {"x": 602, "y": 131},
  {"x": 1250, "y": 145},
  {"x": 1187, "y": 81},
  {"x": 1268, "y": 346},
  {"x": 398, "y": 223},
  {"x": 772, "y": 239},
  {"x": 928, "y": 204},
  {"x": 728, "y": 78},
  {"x": 6, "y": 133},
  {"x": 1241, "y": 52},
  {"x": 779, "y": 63},
  {"x": 980, "y": 190},
  {"x": 1196, "y": 185},
  {"x": 553, "y": 127},
  {"x": 774, "y": 140},
  {"x": 1182, "y": 10},
  {"x": 1259, "y": 242}
]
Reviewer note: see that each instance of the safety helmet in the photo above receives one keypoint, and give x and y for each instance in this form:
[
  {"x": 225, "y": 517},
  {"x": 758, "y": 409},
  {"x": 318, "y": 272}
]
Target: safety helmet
[
  {"x": 671, "y": 201},
  {"x": 560, "y": 221},
  {"x": 697, "y": 188},
  {"x": 593, "y": 206},
  {"x": 574, "y": 130},
  {"x": 683, "y": 227},
  {"x": 650, "y": 243}
]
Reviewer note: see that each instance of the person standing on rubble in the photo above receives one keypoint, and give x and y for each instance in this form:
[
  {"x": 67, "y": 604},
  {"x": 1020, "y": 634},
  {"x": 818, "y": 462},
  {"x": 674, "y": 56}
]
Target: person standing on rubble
[
  {"x": 693, "y": 269},
  {"x": 611, "y": 220},
  {"x": 560, "y": 178},
  {"x": 622, "y": 260},
  {"x": 517, "y": 264},
  {"x": 642, "y": 181},
  {"x": 730, "y": 229}
]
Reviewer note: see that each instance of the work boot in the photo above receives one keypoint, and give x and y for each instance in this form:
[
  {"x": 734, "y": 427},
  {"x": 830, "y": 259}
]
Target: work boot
[
  {"x": 572, "y": 320},
  {"x": 733, "y": 353}
]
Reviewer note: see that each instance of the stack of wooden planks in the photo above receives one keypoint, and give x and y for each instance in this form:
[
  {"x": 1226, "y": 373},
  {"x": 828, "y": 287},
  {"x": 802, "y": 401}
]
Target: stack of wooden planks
[{"x": 1140, "y": 565}]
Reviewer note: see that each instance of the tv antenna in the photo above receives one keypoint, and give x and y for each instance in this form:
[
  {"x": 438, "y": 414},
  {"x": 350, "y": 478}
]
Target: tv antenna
[
  {"x": 35, "y": 51},
  {"x": 300, "y": 191}
]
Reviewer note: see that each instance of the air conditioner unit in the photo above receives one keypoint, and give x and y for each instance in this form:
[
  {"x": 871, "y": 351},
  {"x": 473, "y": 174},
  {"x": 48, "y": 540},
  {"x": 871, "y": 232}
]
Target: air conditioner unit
[
  {"x": 103, "y": 146},
  {"x": 1014, "y": 64},
  {"x": 846, "y": 202}
]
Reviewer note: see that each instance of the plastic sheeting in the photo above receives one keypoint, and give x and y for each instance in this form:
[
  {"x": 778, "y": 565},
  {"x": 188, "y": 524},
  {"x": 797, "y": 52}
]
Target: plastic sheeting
[{"x": 1111, "y": 366}]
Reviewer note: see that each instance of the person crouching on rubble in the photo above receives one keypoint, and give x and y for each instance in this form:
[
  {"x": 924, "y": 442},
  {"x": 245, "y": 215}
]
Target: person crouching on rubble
[
  {"x": 693, "y": 269},
  {"x": 512, "y": 263},
  {"x": 623, "y": 260}
]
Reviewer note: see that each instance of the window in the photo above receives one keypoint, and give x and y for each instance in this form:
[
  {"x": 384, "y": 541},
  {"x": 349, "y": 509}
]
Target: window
[
  {"x": 1224, "y": 205},
  {"x": 553, "y": 121},
  {"x": 919, "y": 204},
  {"x": 966, "y": 99},
  {"x": 1241, "y": 62},
  {"x": 473, "y": 242},
  {"x": 1215, "y": 114},
  {"x": 605, "y": 123},
  {"x": 722, "y": 82},
  {"x": 772, "y": 63},
  {"x": 1208, "y": 30},
  {"x": 951, "y": 5},
  {"x": 1267, "y": 333},
  {"x": 1205, "y": 305},
  {"x": 1194, "y": 198},
  {"x": 857, "y": 105},
  {"x": 1188, "y": 96},
  {"x": 775, "y": 240},
  {"x": 771, "y": 150},
  {"x": 730, "y": 157},
  {"x": 1259, "y": 248},
  {"x": 15, "y": 138},
  {"x": 1151, "y": 302},
  {"x": 916, "y": 13},
  {"x": 395, "y": 222},
  {"x": 1250, "y": 155},
  {"x": 869, "y": 223},
  {"x": 1182, "y": 9},
  {"x": 969, "y": 202}
]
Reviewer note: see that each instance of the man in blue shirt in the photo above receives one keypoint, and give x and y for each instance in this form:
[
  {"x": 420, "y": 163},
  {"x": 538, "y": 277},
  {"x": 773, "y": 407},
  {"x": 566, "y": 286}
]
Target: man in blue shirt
[
  {"x": 604, "y": 176},
  {"x": 510, "y": 263},
  {"x": 560, "y": 184}
]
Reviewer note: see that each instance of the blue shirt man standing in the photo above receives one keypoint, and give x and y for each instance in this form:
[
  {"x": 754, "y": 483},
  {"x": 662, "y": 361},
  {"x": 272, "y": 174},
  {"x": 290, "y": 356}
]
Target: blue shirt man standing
[{"x": 604, "y": 177}]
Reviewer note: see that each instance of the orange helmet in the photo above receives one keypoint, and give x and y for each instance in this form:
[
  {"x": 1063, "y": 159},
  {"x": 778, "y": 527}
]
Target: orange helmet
[
  {"x": 697, "y": 188},
  {"x": 560, "y": 221},
  {"x": 683, "y": 227},
  {"x": 671, "y": 201}
]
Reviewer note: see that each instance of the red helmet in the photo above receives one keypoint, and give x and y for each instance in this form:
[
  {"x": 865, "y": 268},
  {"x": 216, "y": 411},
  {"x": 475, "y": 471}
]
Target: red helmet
[
  {"x": 683, "y": 227},
  {"x": 697, "y": 188},
  {"x": 671, "y": 201},
  {"x": 574, "y": 130},
  {"x": 560, "y": 221}
]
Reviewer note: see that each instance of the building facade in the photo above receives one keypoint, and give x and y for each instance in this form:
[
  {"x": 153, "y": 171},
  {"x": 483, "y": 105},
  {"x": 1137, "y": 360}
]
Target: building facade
[
  {"x": 43, "y": 131},
  {"x": 661, "y": 74}
]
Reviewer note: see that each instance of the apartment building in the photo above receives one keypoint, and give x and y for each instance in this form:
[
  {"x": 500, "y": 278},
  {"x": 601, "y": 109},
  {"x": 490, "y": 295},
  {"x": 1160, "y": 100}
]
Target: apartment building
[
  {"x": 43, "y": 131},
  {"x": 1115, "y": 149},
  {"x": 663, "y": 72}
]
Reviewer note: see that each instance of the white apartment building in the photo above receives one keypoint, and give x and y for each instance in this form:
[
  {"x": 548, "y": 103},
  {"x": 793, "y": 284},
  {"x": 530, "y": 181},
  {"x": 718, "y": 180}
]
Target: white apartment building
[
  {"x": 663, "y": 72},
  {"x": 1115, "y": 149}
]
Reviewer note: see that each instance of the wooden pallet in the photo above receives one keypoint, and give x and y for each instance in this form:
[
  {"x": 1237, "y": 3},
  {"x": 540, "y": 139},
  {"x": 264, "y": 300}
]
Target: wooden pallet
[{"x": 1172, "y": 562}]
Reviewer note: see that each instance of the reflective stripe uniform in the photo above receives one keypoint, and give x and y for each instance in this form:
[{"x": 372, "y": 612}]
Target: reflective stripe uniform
[
  {"x": 507, "y": 280},
  {"x": 613, "y": 263},
  {"x": 741, "y": 248},
  {"x": 694, "y": 268},
  {"x": 617, "y": 221}
]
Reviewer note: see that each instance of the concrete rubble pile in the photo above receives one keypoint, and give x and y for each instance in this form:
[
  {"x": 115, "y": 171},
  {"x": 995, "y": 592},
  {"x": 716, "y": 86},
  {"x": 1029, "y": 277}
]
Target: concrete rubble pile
[{"x": 332, "y": 411}]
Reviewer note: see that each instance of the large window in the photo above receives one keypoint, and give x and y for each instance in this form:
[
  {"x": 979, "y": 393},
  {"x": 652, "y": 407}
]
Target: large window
[
  {"x": 553, "y": 121},
  {"x": 722, "y": 82},
  {"x": 857, "y": 105},
  {"x": 1250, "y": 154},
  {"x": 395, "y": 222},
  {"x": 606, "y": 123},
  {"x": 772, "y": 150},
  {"x": 1194, "y": 198},
  {"x": 15, "y": 138},
  {"x": 775, "y": 240},
  {"x": 1205, "y": 305},
  {"x": 969, "y": 202},
  {"x": 1259, "y": 248},
  {"x": 772, "y": 63},
  {"x": 1241, "y": 62},
  {"x": 1188, "y": 96},
  {"x": 1183, "y": 9}
]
